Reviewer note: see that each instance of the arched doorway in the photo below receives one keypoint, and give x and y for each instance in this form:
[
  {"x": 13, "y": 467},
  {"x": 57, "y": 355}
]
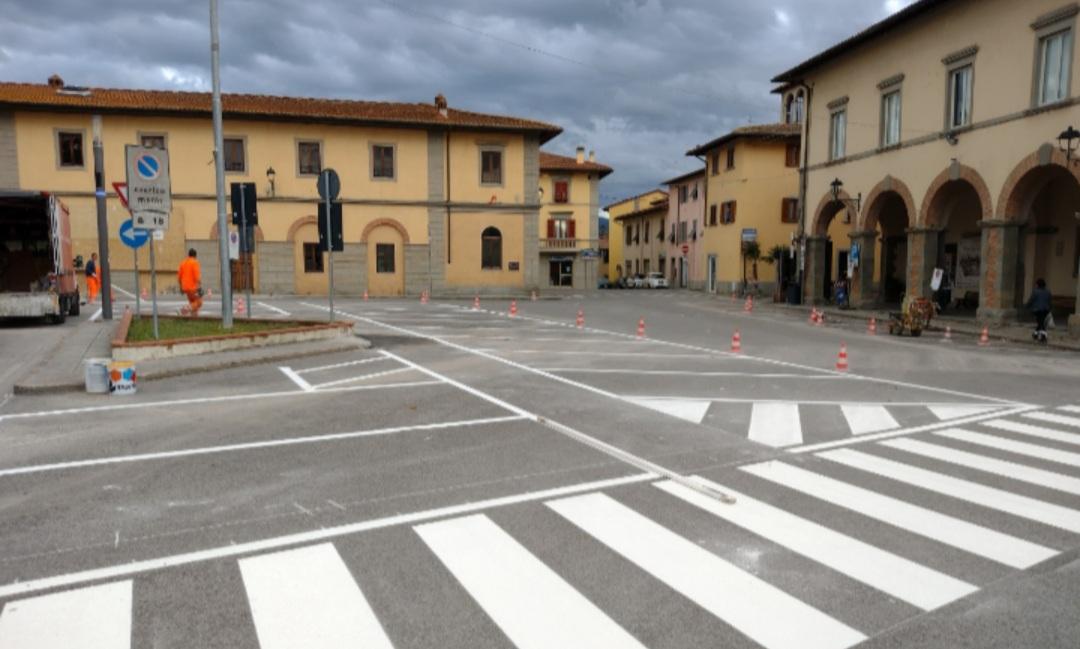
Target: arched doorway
[
  {"x": 385, "y": 242},
  {"x": 954, "y": 205},
  {"x": 889, "y": 214},
  {"x": 827, "y": 247}
]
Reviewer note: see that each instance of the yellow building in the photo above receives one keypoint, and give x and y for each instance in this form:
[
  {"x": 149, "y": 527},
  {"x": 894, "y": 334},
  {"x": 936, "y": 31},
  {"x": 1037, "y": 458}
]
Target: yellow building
[
  {"x": 627, "y": 219},
  {"x": 751, "y": 195},
  {"x": 942, "y": 123},
  {"x": 434, "y": 198},
  {"x": 569, "y": 219}
]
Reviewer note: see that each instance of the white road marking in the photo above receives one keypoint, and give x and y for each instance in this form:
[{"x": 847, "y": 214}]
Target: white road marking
[
  {"x": 322, "y": 368},
  {"x": 97, "y": 314},
  {"x": 310, "y": 536},
  {"x": 562, "y": 352},
  {"x": 308, "y": 598},
  {"x": 123, "y": 292},
  {"x": 956, "y": 532},
  {"x": 273, "y": 308},
  {"x": 906, "y": 580},
  {"x": 764, "y": 613},
  {"x": 1075, "y": 409},
  {"x": 868, "y": 419},
  {"x": 98, "y": 617},
  {"x": 361, "y": 377},
  {"x": 999, "y": 499},
  {"x": 775, "y": 424},
  {"x": 1034, "y": 431},
  {"x": 295, "y": 378},
  {"x": 687, "y": 409},
  {"x": 958, "y": 411},
  {"x": 534, "y": 606},
  {"x": 748, "y": 375},
  {"x": 1054, "y": 418},
  {"x": 248, "y": 446},
  {"x": 1003, "y": 468},
  {"x": 1013, "y": 446}
]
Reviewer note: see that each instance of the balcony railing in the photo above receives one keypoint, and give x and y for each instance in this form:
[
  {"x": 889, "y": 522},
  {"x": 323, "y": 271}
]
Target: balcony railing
[{"x": 567, "y": 243}]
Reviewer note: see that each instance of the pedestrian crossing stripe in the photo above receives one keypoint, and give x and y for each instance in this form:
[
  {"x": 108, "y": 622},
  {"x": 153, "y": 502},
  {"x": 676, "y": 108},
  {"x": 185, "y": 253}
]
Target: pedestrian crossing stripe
[
  {"x": 96, "y": 616},
  {"x": 1012, "y": 446},
  {"x": 692, "y": 410}
]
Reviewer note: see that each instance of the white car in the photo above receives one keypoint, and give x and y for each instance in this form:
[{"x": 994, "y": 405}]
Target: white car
[{"x": 656, "y": 280}]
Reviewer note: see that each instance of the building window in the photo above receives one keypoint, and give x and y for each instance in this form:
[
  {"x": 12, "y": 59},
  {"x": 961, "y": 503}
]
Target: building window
[
  {"x": 890, "y": 118},
  {"x": 715, "y": 162},
  {"x": 382, "y": 161},
  {"x": 562, "y": 191},
  {"x": 731, "y": 157},
  {"x": 794, "y": 112},
  {"x": 727, "y": 212},
  {"x": 491, "y": 249},
  {"x": 646, "y": 232},
  {"x": 309, "y": 158},
  {"x": 837, "y": 135},
  {"x": 712, "y": 215},
  {"x": 235, "y": 158},
  {"x": 629, "y": 233},
  {"x": 70, "y": 148},
  {"x": 791, "y": 154},
  {"x": 684, "y": 193},
  {"x": 561, "y": 226},
  {"x": 152, "y": 141},
  {"x": 491, "y": 161},
  {"x": 313, "y": 258},
  {"x": 682, "y": 232},
  {"x": 789, "y": 210},
  {"x": 384, "y": 258},
  {"x": 960, "y": 87},
  {"x": 1054, "y": 66}
]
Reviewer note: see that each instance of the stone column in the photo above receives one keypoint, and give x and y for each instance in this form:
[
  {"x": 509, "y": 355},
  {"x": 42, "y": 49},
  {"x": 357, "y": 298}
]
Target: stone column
[
  {"x": 864, "y": 294},
  {"x": 922, "y": 259},
  {"x": 814, "y": 273},
  {"x": 1001, "y": 256}
]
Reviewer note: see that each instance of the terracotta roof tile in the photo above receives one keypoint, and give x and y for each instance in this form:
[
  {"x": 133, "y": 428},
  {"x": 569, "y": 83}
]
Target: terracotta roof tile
[
  {"x": 261, "y": 107},
  {"x": 755, "y": 131},
  {"x": 553, "y": 162}
]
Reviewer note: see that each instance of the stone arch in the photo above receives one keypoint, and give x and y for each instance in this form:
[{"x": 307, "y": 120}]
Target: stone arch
[
  {"x": 827, "y": 209},
  {"x": 258, "y": 233},
  {"x": 387, "y": 222},
  {"x": 872, "y": 202},
  {"x": 929, "y": 216},
  {"x": 1023, "y": 183},
  {"x": 299, "y": 223}
]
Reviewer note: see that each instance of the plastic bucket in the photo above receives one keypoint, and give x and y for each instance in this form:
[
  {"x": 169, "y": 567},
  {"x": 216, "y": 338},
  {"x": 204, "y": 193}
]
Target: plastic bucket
[
  {"x": 121, "y": 378},
  {"x": 96, "y": 375}
]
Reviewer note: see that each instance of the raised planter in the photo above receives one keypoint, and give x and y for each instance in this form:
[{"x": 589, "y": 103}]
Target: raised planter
[{"x": 122, "y": 350}]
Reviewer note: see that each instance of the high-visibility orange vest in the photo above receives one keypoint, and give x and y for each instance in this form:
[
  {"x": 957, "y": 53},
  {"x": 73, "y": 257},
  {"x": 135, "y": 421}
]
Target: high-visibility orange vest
[{"x": 189, "y": 275}]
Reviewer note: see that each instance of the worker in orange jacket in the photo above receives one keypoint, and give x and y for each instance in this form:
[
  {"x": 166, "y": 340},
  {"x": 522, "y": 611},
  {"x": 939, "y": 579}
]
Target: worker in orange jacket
[
  {"x": 93, "y": 280},
  {"x": 190, "y": 276}
]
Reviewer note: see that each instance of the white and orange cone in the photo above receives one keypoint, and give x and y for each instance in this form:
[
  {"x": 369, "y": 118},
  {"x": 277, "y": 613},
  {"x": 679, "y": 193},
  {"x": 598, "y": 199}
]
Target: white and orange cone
[
  {"x": 365, "y": 295},
  {"x": 984, "y": 337},
  {"x": 813, "y": 315},
  {"x": 820, "y": 319},
  {"x": 641, "y": 328},
  {"x": 947, "y": 338},
  {"x": 532, "y": 296},
  {"x": 580, "y": 319},
  {"x": 144, "y": 293},
  {"x": 423, "y": 297},
  {"x": 736, "y": 342},
  {"x": 841, "y": 359},
  {"x": 748, "y": 306},
  {"x": 476, "y": 303},
  {"x": 871, "y": 328},
  {"x": 513, "y": 308}
]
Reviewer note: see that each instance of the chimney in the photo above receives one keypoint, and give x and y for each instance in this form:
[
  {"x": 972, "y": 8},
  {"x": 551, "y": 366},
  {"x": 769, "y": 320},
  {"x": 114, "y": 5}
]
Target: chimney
[
  {"x": 440, "y": 103},
  {"x": 592, "y": 156},
  {"x": 580, "y": 154},
  {"x": 56, "y": 82}
]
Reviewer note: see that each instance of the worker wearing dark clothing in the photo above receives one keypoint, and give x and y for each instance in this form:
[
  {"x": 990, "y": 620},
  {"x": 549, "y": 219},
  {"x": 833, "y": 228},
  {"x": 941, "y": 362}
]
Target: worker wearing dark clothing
[{"x": 1039, "y": 304}]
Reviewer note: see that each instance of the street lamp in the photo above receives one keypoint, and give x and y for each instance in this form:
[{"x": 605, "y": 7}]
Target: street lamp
[
  {"x": 836, "y": 185},
  {"x": 270, "y": 176},
  {"x": 1068, "y": 142}
]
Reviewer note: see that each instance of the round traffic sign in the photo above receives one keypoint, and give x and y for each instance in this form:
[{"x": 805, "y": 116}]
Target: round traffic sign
[
  {"x": 329, "y": 185},
  {"x": 148, "y": 166},
  {"x": 131, "y": 236}
]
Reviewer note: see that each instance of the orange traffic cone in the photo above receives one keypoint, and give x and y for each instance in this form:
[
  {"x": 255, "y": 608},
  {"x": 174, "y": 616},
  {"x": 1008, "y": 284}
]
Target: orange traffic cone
[
  {"x": 532, "y": 296},
  {"x": 813, "y": 315},
  {"x": 748, "y": 306},
  {"x": 641, "y": 328},
  {"x": 144, "y": 293},
  {"x": 872, "y": 327},
  {"x": 948, "y": 335},
  {"x": 580, "y": 319},
  {"x": 820, "y": 319},
  {"x": 513, "y": 308},
  {"x": 736, "y": 342},
  {"x": 365, "y": 295},
  {"x": 984, "y": 337},
  {"x": 841, "y": 359},
  {"x": 476, "y": 303},
  {"x": 240, "y": 306}
]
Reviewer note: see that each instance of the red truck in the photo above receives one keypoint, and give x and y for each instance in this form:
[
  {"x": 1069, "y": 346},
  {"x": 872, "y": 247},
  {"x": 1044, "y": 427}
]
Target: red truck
[{"x": 37, "y": 269}]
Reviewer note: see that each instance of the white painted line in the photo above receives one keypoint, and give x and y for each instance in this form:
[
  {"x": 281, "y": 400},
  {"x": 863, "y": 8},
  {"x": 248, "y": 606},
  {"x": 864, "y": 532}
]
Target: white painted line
[
  {"x": 311, "y": 536},
  {"x": 1013, "y": 446},
  {"x": 295, "y": 378},
  {"x": 534, "y": 606},
  {"x": 362, "y": 377},
  {"x": 273, "y": 308},
  {"x": 868, "y": 419},
  {"x": 308, "y": 598},
  {"x": 811, "y": 448},
  {"x": 945, "y": 413},
  {"x": 1075, "y": 409},
  {"x": 764, "y": 613},
  {"x": 197, "y": 400},
  {"x": 558, "y": 352},
  {"x": 249, "y": 446},
  {"x": 901, "y": 578},
  {"x": 1003, "y": 468},
  {"x": 775, "y": 424},
  {"x": 973, "y": 492},
  {"x": 98, "y": 617},
  {"x": 123, "y": 292},
  {"x": 1033, "y": 431},
  {"x": 747, "y": 375},
  {"x": 687, "y": 409},
  {"x": 322, "y": 368},
  {"x": 1054, "y": 418},
  {"x": 97, "y": 314},
  {"x": 955, "y": 532}
]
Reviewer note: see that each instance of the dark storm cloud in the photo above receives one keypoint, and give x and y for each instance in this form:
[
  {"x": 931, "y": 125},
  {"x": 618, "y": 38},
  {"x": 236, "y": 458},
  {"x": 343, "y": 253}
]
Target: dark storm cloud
[{"x": 640, "y": 81}]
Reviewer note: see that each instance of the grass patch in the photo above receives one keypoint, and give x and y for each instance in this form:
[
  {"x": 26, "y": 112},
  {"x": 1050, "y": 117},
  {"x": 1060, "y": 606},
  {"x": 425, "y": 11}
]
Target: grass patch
[{"x": 142, "y": 329}]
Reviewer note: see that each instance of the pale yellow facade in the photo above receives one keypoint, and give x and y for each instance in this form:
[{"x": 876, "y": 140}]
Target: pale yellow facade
[
  {"x": 570, "y": 254},
  {"x": 619, "y": 251}
]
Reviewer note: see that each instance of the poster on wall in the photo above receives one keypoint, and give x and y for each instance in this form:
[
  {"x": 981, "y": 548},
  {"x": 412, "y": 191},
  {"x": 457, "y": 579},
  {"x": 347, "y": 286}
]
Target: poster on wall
[{"x": 967, "y": 263}]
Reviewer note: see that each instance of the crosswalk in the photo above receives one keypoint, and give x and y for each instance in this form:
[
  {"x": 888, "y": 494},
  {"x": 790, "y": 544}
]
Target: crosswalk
[{"x": 979, "y": 501}]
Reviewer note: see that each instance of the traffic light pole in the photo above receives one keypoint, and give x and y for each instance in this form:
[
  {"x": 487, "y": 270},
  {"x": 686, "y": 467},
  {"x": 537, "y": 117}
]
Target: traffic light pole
[
  {"x": 103, "y": 269},
  {"x": 329, "y": 240},
  {"x": 219, "y": 171}
]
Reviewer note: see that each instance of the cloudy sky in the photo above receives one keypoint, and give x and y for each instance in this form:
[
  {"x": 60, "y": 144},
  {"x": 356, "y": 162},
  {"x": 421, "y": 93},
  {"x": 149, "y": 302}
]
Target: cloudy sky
[{"x": 639, "y": 81}]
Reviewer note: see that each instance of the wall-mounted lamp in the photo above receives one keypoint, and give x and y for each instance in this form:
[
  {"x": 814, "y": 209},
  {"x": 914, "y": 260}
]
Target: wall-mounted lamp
[
  {"x": 271, "y": 175},
  {"x": 952, "y": 139},
  {"x": 836, "y": 185},
  {"x": 1068, "y": 142}
]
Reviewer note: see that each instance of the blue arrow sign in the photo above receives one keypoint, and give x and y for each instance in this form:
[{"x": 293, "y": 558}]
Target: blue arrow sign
[{"x": 131, "y": 237}]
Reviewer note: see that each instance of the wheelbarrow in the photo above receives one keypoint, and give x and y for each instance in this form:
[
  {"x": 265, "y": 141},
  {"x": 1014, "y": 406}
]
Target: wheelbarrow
[{"x": 914, "y": 316}]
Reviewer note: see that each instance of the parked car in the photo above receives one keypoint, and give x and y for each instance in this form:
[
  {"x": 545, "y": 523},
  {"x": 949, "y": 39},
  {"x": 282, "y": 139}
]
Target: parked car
[
  {"x": 637, "y": 281},
  {"x": 603, "y": 283},
  {"x": 656, "y": 280}
]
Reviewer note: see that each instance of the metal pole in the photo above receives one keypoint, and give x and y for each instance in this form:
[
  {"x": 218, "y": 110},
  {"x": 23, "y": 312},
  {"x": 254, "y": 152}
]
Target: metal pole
[
  {"x": 244, "y": 244},
  {"x": 138, "y": 301},
  {"x": 329, "y": 240},
  {"x": 153, "y": 288},
  {"x": 102, "y": 223},
  {"x": 219, "y": 171}
]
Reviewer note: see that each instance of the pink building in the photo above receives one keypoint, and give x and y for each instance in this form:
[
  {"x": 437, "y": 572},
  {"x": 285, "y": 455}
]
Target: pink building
[{"x": 685, "y": 266}]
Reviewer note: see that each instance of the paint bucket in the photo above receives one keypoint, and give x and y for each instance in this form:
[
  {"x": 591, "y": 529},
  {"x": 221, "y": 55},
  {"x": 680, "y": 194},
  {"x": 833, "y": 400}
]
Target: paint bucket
[
  {"x": 96, "y": 375},
  {"x": 121, "y": 378}
]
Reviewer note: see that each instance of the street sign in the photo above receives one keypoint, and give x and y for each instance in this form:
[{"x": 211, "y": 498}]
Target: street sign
[
  {"x": 329, "y": 185},
  {"x": 335, "y": 227},
  {"x": 131, "y": 236},
  {"x": 244, "y": 204},
  {"x": 234, "y": 245},
  {"x": 121, "y": 193},
  {"x": 749, "y": 234},
  {"x": 149, "y": 192},
  {"x": 685, "y": 248}
]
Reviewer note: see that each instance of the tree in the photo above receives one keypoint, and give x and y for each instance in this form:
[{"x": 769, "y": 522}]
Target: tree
[{"x": 751, "y": 251}]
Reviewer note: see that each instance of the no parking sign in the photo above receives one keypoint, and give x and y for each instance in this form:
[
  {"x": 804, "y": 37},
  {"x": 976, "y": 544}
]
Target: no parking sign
[{"x": 149, "y": 191}]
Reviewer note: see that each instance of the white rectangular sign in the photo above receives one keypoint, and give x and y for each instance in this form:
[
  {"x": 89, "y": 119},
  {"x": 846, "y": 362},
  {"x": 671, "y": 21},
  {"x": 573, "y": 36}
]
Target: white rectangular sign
[{"x": 149, "y": 190}]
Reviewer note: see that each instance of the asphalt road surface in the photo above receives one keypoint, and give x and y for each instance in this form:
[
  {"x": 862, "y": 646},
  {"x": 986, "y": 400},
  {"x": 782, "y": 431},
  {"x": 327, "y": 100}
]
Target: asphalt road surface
[{"x": 477, "y": 480}]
